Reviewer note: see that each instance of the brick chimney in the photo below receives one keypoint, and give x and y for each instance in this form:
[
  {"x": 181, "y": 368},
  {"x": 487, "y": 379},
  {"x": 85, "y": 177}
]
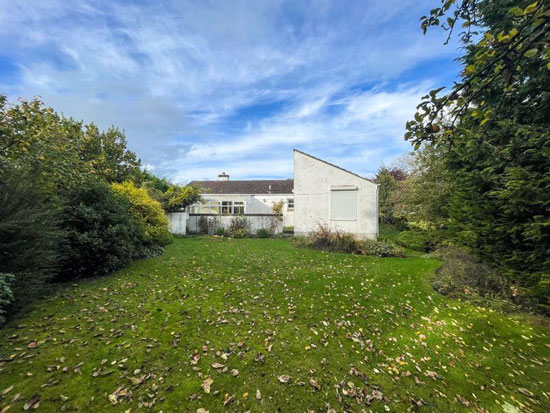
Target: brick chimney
[{"x": 223, "y": 177}]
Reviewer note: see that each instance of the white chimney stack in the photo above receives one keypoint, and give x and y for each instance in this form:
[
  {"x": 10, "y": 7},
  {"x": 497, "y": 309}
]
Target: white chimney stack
[{"x": 223, "y": 177}]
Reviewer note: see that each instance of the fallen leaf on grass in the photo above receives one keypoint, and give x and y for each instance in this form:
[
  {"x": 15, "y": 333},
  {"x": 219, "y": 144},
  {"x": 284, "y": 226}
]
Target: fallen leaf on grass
[
  {"x": 258, "y": 395},
  {"x": 314, "y": 384},
  {"x": 462, "y": 400},
  {"x": 433, "y": 375},
  {"x": 418, "y": 381},
  {"x": 33, "y": 403},
  {"x": 228, "y": 400},
  {"x": 525, "y": 391},
  {"x": 206, "y": 384},
  {"x": 217, "y": 366},
  {"x": 136, "y": 381},
  {"x": 119, "y": 394},
  {"x": 7, "y": 390},
  {"x": 285, "y": 378},
  {"x": 260, "y": 358}
]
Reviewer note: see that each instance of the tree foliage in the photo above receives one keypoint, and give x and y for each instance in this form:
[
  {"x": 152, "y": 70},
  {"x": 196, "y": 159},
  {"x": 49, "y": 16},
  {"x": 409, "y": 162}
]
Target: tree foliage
[
  {"x": 155, "y": 186},
  {"x": 59, "y": 218},
  {"x": 29, "y": 233},
  {"x": 387, "y": 185},
  {"x": 177, "y": 198},
  {"x": 6, "y": 294},
  {"x": 492, "y": 133},
  {"x": 423, "y": 198},
  {"x": 147, "y": 211},
  {"x": 101, "y": 234},
  {"x": 106, "y": 153}
]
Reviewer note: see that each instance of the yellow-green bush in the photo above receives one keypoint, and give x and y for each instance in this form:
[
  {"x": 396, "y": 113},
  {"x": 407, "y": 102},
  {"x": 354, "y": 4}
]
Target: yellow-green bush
[{"x": 147, "y": 211}]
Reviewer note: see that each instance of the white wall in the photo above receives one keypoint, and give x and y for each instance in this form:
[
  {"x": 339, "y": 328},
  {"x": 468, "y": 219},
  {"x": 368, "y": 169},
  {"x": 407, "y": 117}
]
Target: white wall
[
  {"x": 254, "y": 223},
  {"x": 177, "y": 223},
  {"x": 258, "y": 204},
  {"x": 313, "y": 180}
]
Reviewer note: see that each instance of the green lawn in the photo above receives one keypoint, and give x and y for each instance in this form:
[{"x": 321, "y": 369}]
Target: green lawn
[{"x": 346, "y": 330}]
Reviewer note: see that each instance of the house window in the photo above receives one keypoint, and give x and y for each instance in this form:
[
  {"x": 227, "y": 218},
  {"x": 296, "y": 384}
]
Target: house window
[
  {"x": 238, "y": 208},
  {"x": 290, "y": 205},
  {"x": 343, "y": 204},
  {"x": 207, "y": 207},
  {"x": 232, "y": 208},
  {"x": 227, "y": 207}
]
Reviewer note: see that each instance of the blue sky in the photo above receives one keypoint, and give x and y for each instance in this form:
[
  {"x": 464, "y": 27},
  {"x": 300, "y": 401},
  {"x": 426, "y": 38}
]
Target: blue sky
[{"x": 204, "y": 86}]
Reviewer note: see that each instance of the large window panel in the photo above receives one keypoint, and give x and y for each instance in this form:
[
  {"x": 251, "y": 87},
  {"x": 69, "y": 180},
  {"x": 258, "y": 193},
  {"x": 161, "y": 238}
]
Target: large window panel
[
  {"x": 343, "y": 204},
  {"x": 238, "y": 208},
  {"x": 232, "y": 208}
]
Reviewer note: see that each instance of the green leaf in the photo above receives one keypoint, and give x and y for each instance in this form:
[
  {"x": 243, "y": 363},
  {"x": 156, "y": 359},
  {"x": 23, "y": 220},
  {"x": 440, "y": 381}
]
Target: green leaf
[
  {"x": 531, "y": 52},
  {"x": 516, "y": 11},
  {"x": 531, "y": 8},
  {"x": 470, "y": 69}
]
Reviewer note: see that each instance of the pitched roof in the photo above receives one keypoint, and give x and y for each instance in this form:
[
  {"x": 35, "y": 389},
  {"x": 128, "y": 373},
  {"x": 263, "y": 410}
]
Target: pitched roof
[
  {"x": 335, "y": 166},
  {"x": 278, "y": 186}
]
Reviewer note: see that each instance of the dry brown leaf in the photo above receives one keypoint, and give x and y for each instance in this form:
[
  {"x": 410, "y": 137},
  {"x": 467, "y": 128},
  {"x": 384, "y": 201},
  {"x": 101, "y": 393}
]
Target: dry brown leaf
[
  {"x": 462, "y": 400},
  {"x": 206, "y": 384},
  {"x": 285, "y": 378},
  {"x": 314, "y": 384},
  {"x": 229, "y": 400},
  {"x": 34, "y": 402},
  {"x": 7, "y": 390},
  {"x": 525, "y": 391}
]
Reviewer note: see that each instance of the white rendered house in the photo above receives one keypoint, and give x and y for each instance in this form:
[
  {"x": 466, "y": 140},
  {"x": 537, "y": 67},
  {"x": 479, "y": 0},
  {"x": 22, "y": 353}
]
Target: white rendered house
[
  {"x": 320, "y": 193},
  {"x": 329, "y": 195},
  {"x": 227, "y": 197}
]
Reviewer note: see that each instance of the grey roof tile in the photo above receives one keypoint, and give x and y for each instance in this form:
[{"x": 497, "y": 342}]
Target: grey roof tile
[{"x": 278, "y": 186}]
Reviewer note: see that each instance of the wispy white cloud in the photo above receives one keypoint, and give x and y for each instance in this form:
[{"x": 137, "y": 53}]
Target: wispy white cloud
[
  {"x": 201, "y": 86},
  {"x": 363, "y": 131}
]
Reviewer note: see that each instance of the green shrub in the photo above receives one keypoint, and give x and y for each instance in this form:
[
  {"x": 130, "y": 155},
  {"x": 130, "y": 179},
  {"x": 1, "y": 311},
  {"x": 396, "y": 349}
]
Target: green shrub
[
  {"x": 382, "y": 248},
  {"x": 147, "y": 211},
  {"x": 238, "y": 227},
  {"x": 323, "y": 238},
  {"x": 420, "y": 240},
  {"x": 6, "y": 294},
  {"x": 541, "y": 292},
  {"x": 29, "y": 235},
  {"x": 220, "y": 231},
  {"x": 463, "y": 276},
  {"x": 102, "y": 234},
  {"x": 262, "y": 233}
]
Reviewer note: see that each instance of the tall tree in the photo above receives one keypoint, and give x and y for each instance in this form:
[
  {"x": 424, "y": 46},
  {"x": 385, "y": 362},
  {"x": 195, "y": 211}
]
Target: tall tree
[
  {"x": 387, "y": 185},
  {"x": 493, "y": 131},
  {"x": 423, "y": 198},
  {"x": 106, "y": 152}
]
